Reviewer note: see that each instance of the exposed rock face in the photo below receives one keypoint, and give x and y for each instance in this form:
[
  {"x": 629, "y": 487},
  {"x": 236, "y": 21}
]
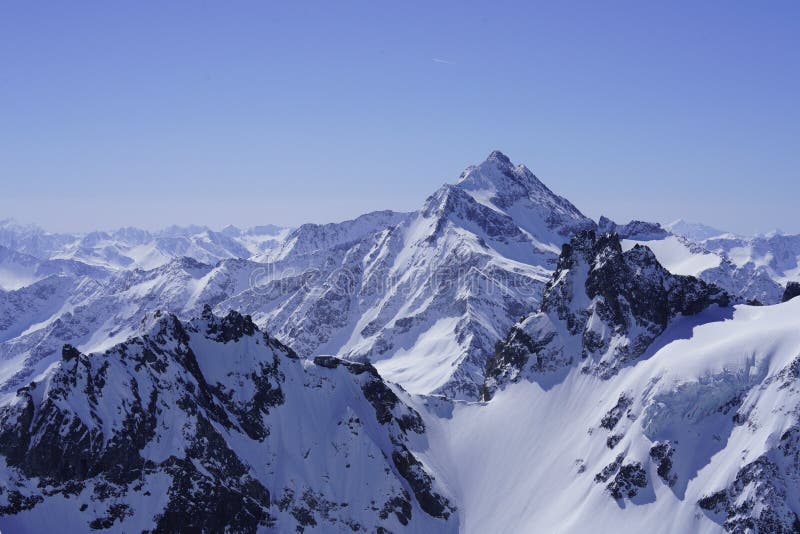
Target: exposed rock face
[
  {"x": 603, "y": 308},
  {"x": 628, "y": 481},
  {"x": 201, "y": 426},
  {"x": 613, "y": 416},
  {"x": 792, "y": 291},
  {"x": 761, "y": 497},
  {"x": 661, "y": 453}
]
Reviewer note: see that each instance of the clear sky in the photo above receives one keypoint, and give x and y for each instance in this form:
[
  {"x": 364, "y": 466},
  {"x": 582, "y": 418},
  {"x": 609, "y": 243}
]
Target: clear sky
[{"x": 153, "y": 113}]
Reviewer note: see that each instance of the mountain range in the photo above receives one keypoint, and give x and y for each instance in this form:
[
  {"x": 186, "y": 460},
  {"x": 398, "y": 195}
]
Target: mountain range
[{"x": 494, "y": 361}]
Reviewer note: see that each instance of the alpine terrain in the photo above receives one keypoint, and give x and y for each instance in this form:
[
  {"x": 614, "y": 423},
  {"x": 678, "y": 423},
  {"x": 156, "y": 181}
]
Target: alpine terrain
[{"x": 495, "y": 361}]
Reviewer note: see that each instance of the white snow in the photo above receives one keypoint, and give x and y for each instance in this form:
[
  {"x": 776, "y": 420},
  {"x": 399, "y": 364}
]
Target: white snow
[{"x": 676, "y": 256}]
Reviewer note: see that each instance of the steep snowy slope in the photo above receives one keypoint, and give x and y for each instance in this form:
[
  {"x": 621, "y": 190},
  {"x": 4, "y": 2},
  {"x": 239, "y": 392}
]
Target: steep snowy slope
[
  {"x": 100, "y": 315},
  {"x": 213, "y": 424},
  {"x": 702, "y": 436},
  {"x": 696, "y": 431},
  {"x": 312, "y": 238},
  {"x": 31, "y": 307}
]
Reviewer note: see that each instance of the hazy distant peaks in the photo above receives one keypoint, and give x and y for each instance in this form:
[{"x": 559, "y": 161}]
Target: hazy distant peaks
[{"x": 693, "y": 231}]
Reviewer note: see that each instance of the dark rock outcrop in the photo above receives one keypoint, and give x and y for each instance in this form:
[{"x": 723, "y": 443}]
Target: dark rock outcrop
[
  {"x": 792, "y": 291},
  {"x": 639, "y": 230},
  {"x": 611, "y": 303},
  {"x": 761, "y": 498}
]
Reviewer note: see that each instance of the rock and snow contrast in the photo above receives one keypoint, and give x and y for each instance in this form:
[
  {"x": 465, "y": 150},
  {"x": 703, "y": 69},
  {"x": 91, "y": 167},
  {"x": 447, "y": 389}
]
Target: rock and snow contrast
[
  {"x": 752, "y": 269},
  {"x": 212, "y": 425},
  {"x": 493, "y": 362}
]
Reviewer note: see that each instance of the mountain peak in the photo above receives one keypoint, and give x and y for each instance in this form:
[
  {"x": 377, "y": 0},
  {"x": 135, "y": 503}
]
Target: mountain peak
[
  {"x": 497, "y": 173},
  {"x": 499, "y": 157},
  {"x": 517, "y": 192}
]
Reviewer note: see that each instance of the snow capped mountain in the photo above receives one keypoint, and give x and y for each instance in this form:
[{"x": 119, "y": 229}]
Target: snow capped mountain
[
  {"x": 19, "y": 270},
  {"x": 16, "y": 270},
  {"x": 516, "y": 192},
  {"x": 423, "y": 296},
  {"x": 31, "y": 240},
  {"x": 212, "y": 424},
  {"x": 310, "y": 238}
]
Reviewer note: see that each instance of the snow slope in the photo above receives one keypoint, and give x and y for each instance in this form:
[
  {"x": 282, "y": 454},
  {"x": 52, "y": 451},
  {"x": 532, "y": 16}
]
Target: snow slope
[{"x": 722, "y": 398}]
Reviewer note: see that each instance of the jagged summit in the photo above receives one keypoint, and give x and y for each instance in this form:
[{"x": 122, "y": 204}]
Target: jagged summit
[
  {"x": 602, "y": 309},
  {"x": 498, "y": 172},
  {"x": 515, "y": 191}
]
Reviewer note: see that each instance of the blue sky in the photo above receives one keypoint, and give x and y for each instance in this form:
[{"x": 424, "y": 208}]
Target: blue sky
[{"x": 145, "y": 113}]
